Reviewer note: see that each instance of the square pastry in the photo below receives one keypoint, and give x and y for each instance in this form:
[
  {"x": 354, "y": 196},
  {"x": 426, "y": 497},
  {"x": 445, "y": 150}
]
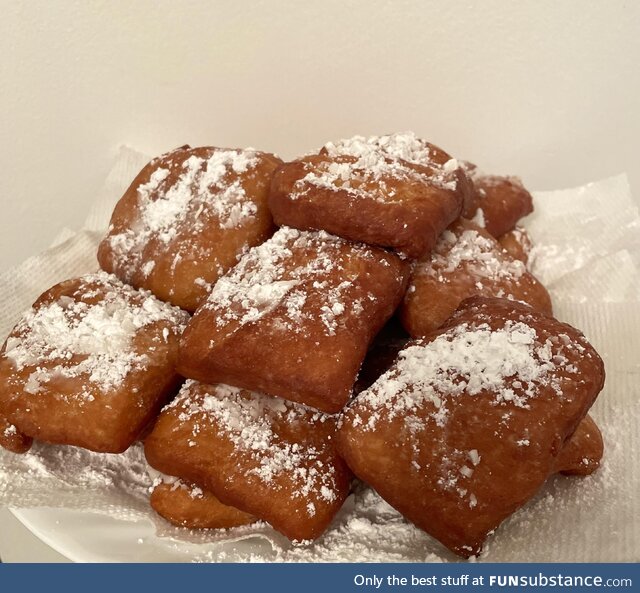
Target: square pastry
[
  {"x": 90, "y": 364},
  {"x": 186, "y": 219},
  {"x": 294, "y": 318},
  {"x": 395, "y": 191},
  {"x": 466, "y": 262},
  {"x": 471, "y": 420},
  {"x": 267, "y": 457}
]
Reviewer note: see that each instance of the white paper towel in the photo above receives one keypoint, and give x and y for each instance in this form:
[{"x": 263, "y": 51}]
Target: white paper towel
[{"x": 587, "y": 252}]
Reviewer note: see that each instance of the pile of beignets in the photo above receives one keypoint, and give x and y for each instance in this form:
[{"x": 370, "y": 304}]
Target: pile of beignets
[{"x": 272, "y": 330}]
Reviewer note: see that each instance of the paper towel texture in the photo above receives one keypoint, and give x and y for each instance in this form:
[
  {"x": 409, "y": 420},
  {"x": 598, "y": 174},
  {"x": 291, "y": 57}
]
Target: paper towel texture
[{"x": 587, "y": 253}]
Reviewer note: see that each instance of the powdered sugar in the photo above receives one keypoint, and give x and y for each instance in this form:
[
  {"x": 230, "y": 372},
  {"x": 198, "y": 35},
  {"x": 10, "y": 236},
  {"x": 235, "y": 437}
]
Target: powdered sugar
[
  {"x": 201, "y": 185},
  {"x": 478, "y": 218},
  {"x": 250, "y": 420},
  {"x": 101, "y": 482},
  {"x": 367, "y": 529},
  {"x": 480, "y": 256},
  {"x": 10, "y": 430},
  {"x": 201, "y": 192},
  {"x": 88, "y": 333},
  {"x": 465, "y": 361},
  {"x": 272, "y": 275},
  {"x": 378, "y": 159},
  {"x": 195, "y": 492}
]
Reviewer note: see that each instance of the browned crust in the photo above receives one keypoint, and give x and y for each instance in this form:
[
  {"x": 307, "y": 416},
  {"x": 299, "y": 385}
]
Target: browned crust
[
  {"x": 108, "y": 423},
  {"x": 410, "y": 223},
  {"x": 431, "y": 300},
  {"x": 220, "y": 248},
  {"x": 307, "y": 367},
  {"x": 176, "y": 504}
]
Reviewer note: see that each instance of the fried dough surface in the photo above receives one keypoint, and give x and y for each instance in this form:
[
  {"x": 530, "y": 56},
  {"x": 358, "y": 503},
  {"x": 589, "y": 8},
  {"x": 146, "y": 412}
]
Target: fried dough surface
[
  {"x": 267, "y": 457},
  {"x": 467, "y": 261},
  {"x": 294, "y": 318},
  {"x": 394, "y": 191},
  {"x": 90, "y": 364},
  {"x": 12, "y": 439},
  {"x": 583, "y": 452},
  {"x": 187, "y": 505},
  {"x": 518, "y": 244},
  {"x": 187, "y": 218},
  {"x": 469, "y": 422},
  {"x": 499, "y": 202}
]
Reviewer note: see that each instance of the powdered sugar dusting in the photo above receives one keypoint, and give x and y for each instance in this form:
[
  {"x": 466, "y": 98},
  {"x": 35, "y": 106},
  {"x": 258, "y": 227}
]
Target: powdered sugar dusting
[
  {"x": 10, "y": 430},
  {"x": 268, "y": 277},
  {"x": 481, "y": 256},
  {"x": 101, "y": 482},
  {"x": 478, "y": 218},
  {"x": 201, "y": 192},
  {"x": 378, "y": 159},
  {"x": 88, "y": 333},
  {"x": 465, "y": 361},
  {"x": 159, "y": 478},
  {"x": 250, "y": 421}
]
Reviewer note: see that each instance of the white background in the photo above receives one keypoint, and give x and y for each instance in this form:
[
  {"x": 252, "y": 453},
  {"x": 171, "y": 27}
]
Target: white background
[
  {"x": 548, "y": 90},
  {"x": 545, "y": 89}
]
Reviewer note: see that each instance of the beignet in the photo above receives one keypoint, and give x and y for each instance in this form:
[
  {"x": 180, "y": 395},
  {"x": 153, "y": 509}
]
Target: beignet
[
  {"x": 497, "y": 203},
  {"x": 467, "y": 261},
  {"x": 187, "y": 505},
  {"x": 294, "y": 318},
  {"x": 469, "y": 422},
  {"x": 395, "y": 191},
  {"x": 186, "y": 219},
  {"x": 90, "y": 364},
  {"x": 267, "y": 457}
]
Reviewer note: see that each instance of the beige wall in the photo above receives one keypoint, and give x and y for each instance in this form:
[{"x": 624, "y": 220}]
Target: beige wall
[{"x": 546, "y": 89}]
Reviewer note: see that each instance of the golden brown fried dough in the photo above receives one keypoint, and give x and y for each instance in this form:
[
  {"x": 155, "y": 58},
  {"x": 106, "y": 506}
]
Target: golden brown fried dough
[
  {"x": 12, "y": 439},
  {"x": 90, "y": 364},
  {"x": 498, "y": 202},
  {"x": 517, "y": 244},
  {"x": 186, "y": 505},
  {"x": 469, "y": 422},
  {"x": 267, "y": 457},
  {"x": 467, "y": 261},
  {"x": 395, "y": 191},
  {"x": 294, "y": 318},
  {"x": 583, "y": 452},
  {"x": 186, "y": 219}
]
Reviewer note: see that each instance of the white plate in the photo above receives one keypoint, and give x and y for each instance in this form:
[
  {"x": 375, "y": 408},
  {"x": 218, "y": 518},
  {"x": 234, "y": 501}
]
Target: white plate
[{"x": 91, "y": 537}]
